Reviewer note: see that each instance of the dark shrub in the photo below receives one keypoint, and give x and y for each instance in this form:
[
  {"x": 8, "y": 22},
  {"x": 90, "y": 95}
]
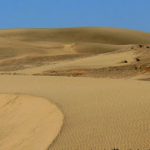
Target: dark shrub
[
  {"x": 137, "y": 59},
  {"x": 140, "y": 46},
  {"x": 125, "y": 61}
]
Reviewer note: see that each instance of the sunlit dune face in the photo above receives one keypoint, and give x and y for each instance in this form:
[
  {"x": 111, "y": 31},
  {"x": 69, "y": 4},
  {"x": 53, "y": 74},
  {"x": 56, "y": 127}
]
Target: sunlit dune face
[{"x": 27, "y": 122}]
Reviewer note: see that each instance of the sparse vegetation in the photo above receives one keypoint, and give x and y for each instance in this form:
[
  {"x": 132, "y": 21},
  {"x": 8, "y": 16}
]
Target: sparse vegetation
[
  {"x": 125, "y": 61},
  {"x": 137, "y": 59},
  {"x": 140, "y": 46}
]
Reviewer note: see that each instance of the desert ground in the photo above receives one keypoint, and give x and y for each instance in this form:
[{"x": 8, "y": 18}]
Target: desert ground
[
  {"x": 74, "y": 89},
  {"x": 22, "y": 119}
]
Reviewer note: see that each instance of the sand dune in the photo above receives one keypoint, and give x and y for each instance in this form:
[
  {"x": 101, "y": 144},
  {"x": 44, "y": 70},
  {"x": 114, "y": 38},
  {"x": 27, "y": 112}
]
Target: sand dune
[
  {"x": 20, "y": 49},
  {"x": 99, "y": 61},
  {"x": 99, "y": 113},
  {"x": 108, "y": 109},
  {"x": 27, "y": 122},
  {"x": 127, "y": 62}
]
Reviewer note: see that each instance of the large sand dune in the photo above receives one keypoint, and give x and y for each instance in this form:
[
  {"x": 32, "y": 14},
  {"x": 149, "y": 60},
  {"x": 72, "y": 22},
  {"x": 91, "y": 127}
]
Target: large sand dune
[
  {"x": 20, "y": 49},
  {"x": 27, "y": 122},
  {"x": 100, "y": 113}
]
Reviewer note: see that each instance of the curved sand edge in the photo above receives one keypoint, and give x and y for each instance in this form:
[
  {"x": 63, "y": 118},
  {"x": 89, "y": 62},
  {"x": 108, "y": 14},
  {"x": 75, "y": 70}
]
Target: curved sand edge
[{"x": 28, "y": 122}]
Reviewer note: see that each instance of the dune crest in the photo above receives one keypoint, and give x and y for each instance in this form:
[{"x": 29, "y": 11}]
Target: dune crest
[{"x": 28, "y": 122}]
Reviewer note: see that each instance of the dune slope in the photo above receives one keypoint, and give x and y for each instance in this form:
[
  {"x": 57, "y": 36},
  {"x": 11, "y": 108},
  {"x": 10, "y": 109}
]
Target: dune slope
[
  {"x": 27, "y": 122},
  {"x": 99, "y": 113},
  {"x": 28, "y": 48}
]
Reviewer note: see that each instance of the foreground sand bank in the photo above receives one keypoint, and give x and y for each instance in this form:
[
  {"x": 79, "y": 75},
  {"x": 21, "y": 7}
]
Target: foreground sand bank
[
  {"x": 27, "y": 122},
  {"x": 99, "y": 113}
]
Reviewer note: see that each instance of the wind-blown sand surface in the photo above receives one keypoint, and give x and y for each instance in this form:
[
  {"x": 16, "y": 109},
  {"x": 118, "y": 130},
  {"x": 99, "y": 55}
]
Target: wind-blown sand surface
[
  {"x": 27, "y": 122},
  {"x": 99, "y": 113},
  {"x": 98, "y": 77}
]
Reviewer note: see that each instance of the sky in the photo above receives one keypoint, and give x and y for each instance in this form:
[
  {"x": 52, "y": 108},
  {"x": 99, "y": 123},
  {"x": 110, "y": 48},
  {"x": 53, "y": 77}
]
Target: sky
[{"x": 130, "y": 14}]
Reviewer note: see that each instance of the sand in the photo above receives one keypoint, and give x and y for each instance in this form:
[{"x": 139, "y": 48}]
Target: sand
[
  {"x": 99, "y": 113},
  {"x": 91, "y": 62},
  {"x": 98, "y": 77},
  {"x": 28, "y": 122}
]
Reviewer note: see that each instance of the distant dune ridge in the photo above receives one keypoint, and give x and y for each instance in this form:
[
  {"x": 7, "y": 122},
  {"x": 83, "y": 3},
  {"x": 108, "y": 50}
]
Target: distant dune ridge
[
  {"x": 30, "y": 48},
  {"x": 109, "y": 109}
]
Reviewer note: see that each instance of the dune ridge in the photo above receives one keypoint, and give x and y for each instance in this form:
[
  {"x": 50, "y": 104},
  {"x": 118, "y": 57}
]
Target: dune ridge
[{"x": 28, "y": 48}]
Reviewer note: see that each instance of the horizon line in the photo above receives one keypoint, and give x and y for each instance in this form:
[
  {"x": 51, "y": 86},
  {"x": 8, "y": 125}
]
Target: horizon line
[{"x": 81, "y": 27}]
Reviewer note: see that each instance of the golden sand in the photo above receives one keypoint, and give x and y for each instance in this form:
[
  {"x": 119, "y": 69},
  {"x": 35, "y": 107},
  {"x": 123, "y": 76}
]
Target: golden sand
[{"x": 28, "y": 122}]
